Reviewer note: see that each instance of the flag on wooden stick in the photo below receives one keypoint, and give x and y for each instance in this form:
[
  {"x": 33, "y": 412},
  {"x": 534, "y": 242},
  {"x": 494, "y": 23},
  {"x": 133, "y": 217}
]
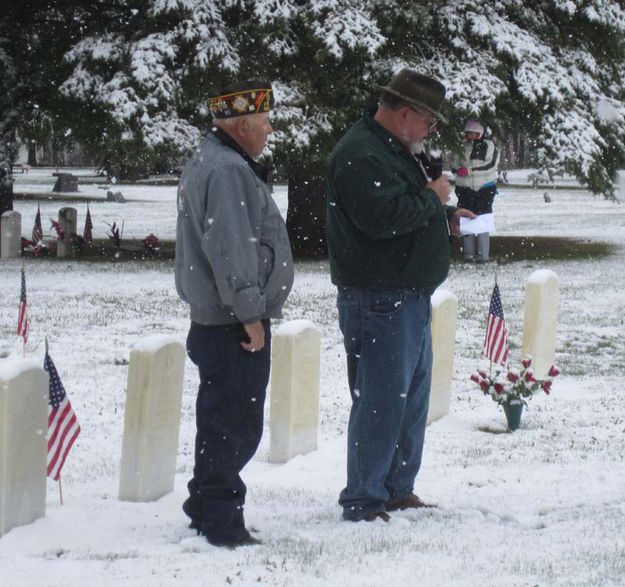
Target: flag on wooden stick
[
  {"x": 22, "y": 318},
  {"x": 37, "y": 229},
  {"x": 496, "y": 342},
  {"x": 88, "y": 231},
  {"x": 63, "y": 427}
]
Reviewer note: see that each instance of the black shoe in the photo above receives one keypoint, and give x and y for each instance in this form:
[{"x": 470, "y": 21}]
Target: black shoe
[
  {"x": 248, "y": 540},
  {"x": 195, "y": 525},
  {"x": 189, "y": 509}
]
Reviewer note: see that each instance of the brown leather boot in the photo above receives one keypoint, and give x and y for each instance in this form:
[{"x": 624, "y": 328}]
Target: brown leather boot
[{"x": 411, "y": 501}]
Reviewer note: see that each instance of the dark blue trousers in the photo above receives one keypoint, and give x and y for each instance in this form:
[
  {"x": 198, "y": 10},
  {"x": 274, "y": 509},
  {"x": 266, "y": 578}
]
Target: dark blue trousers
[
  {"x": 388, "y": 343},
  {"x": 229, "y": 419}
]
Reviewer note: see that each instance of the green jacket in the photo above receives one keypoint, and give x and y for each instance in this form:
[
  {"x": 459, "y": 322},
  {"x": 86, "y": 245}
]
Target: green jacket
[{"x": 384, "y": 228}]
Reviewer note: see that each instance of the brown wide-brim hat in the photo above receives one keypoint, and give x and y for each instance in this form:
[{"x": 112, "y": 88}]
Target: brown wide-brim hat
[{"x": 419, "y": 90}]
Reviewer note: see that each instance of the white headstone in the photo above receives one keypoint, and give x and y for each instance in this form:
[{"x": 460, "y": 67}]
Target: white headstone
[
  {"x": 10, "y": 235},
  {"x": 444, "y": 313},
  {"x": 152, "y": 419},
  {"x": 23, "y": 444},
  {"x": 68, "y": 218},
  {"x": 294, "y": 407},
  {"x": 540, "y": 319}
]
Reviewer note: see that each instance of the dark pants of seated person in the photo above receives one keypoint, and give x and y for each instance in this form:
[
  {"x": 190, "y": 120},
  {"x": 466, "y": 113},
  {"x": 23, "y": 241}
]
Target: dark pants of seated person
[{"x": 229, "y": 418}]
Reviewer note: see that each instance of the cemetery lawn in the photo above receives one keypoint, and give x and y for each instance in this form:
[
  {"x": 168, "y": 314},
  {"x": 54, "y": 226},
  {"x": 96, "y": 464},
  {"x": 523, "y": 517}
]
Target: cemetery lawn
[{"x": 544, "y": 505}]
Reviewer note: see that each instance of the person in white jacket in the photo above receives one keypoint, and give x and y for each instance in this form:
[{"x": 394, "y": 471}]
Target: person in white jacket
[{"x": 476, "y": 185}]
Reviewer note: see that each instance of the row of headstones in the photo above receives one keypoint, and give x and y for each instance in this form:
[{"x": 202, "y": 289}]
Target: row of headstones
[
  {"x": 154, "y": 395},
  {"x": 11, "y": 233}
]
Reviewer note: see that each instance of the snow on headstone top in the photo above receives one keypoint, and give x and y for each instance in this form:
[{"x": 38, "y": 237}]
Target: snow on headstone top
[
  {"x": 542, "y": 276},
  {"x": 441, "y": 295},
  {"x": 12, "y": 368},
  {"x": 153, "y": 343},
  {"x": 295, "y": 327}
]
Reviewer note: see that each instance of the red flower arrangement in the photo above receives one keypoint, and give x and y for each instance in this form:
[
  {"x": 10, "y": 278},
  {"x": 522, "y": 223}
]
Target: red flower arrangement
[{"x": 512, "y": 386}]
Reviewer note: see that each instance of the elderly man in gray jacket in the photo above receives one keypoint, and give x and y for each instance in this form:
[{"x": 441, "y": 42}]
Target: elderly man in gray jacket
[{"x": 235, "y": 270}]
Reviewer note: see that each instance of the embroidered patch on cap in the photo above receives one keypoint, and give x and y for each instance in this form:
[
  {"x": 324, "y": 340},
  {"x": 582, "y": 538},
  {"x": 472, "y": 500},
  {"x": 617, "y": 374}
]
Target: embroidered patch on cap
[{"x": 239, "y": 103}]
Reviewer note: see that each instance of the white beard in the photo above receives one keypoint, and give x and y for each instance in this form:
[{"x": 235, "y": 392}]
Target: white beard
[{"x": 417, "y": 148}]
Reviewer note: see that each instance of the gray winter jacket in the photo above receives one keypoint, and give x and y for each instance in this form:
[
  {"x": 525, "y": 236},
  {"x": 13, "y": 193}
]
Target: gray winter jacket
[{"x": 233, "y": 257}]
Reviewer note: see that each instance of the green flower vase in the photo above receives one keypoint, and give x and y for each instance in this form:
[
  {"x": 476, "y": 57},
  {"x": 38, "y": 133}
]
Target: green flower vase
[{"x": 513, "y": 415}]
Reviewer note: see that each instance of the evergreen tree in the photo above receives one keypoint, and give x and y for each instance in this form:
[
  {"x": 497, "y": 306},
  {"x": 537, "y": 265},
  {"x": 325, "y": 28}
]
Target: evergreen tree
[{"x": 551, "y": 70}]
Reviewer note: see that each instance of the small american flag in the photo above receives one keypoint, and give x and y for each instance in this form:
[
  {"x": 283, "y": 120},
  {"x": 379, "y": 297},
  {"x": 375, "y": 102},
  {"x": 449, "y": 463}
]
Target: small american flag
[
  {"x": 496, "y": 342},
  {"x": 63, "y": 427},
  {"x": 88, "y": 232},
  {"x": 22, "y": 319},
  {"x": 37, "y": 229}
]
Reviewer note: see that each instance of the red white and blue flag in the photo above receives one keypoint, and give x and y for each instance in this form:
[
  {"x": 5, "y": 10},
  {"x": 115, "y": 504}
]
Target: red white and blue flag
[
  {"x": 63, "y": 427},
  {"x": 37, "y": 228},
  {"x": 496, "y": 342},
  {"x": 22, "y": 318},
  {"x": 88, "y": 231}
]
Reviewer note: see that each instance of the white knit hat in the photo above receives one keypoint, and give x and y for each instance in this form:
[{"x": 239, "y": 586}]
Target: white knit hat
[{"x": 474, "y": 126}]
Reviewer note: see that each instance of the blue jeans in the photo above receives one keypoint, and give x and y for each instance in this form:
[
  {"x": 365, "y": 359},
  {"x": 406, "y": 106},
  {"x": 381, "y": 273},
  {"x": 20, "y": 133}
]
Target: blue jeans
[
  {"x": 229, "y": 419},
  {"x": 389, "y": 365}
]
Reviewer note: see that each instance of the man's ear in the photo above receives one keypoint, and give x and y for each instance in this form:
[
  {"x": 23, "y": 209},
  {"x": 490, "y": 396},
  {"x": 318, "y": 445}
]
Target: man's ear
[{"x": 243, "y": 126}]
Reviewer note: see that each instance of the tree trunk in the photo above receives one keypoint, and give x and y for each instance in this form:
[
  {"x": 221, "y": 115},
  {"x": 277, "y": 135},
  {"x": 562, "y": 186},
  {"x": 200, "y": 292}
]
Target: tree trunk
[
  {"x": 6, "y": 179},
  {"x": 6, "y": 198},
  {"x": 306, "y": 216},
  {"x": 32, "y": 154}
]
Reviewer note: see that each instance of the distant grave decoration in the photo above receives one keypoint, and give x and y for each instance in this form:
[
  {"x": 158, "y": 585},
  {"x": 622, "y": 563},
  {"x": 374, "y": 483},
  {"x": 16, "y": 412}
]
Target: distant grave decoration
[
  {"x": 115, "y": 235},
  {"x": 151, "y": 245},
  {"x": 510, "y": 387}
]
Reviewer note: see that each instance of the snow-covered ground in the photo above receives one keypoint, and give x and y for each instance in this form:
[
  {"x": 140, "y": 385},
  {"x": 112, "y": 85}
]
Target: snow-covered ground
[{"x": 542, "y": 506}]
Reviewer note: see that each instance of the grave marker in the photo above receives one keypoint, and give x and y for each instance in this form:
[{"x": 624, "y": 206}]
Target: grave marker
[
  {"x": 152, "y": 419},
  {"x": 540, "y": 319},
  {"x": 23, "y": 443},
  {"x": 294, "y": 406},
  {"x": 68, "y": 219},
  {"x": 10, "y": 234},
  {"x": 444, "y": 313},
  {"x": 65, "y": 182}
]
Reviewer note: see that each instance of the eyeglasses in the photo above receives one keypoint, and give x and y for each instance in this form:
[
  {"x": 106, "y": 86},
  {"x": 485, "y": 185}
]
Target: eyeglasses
[{"x": 432, "y": 122}]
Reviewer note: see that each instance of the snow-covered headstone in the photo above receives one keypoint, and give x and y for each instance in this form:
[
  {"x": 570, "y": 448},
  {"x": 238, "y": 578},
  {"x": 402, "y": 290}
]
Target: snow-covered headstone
[
  {"x": 540, "y": 319},
  {"x": 10, "y": 235},
  {"x": 23, "y": 444},
  {"x": 68, "y": 218},
  {"x": 444, "y": 313},
  {"x": 294, "y": 407},
  {"x": 152, "y": 419}
]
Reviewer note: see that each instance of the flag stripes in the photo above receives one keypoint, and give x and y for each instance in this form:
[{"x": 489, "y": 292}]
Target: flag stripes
[
  {"x": 37, "y": 228},
  {"x": 22, "y": 318},
  {"x": 496, "y": 343},
  {"x": 63, "y": 427}
]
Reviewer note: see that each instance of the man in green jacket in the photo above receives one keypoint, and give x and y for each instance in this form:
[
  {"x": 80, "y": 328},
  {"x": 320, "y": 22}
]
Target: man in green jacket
[{"x": 388, "y": 236}]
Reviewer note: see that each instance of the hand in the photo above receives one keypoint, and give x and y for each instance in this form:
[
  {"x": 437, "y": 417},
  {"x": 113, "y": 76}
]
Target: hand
[
  {"x": 454, "y": 225},
  {"x": 256, "y": 332},
  {"x": 442, "y": 187},
  {"x": 462, "y": 171}
]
